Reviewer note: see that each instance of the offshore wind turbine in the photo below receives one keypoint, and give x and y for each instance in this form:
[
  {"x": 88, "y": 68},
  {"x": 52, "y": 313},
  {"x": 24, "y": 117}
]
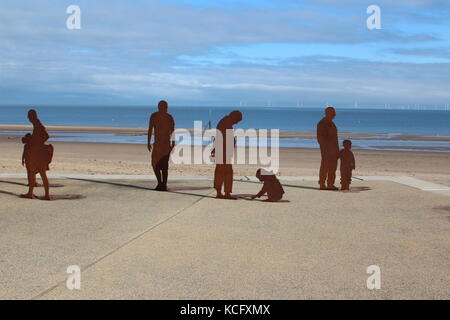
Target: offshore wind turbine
[{"x": 209, "y": 125}]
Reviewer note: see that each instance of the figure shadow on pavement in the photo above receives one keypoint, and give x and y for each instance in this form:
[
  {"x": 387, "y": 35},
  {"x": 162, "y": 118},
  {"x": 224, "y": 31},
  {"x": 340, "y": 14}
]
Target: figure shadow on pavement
[
  {"x": 246, "y": 196},
  {"x": 357, "y": 189},
  {"x": 52, "y": 196},
  {"x": 189, "y": 188},
  {"x": 170, "y": 190},
  {"x": 284, "y": 185},
  {"x": 38, "y": 185},
  {"x": 9, "y": 193},
  {"x": 352, "y": 189}
]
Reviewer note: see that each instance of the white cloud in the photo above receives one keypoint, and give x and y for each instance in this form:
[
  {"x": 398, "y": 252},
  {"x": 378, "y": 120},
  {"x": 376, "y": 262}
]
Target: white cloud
[{"x": 130, "y": 53}]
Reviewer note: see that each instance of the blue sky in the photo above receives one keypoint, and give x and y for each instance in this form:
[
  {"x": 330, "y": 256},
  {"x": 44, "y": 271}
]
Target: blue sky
[{"x": 198, "y": 52}]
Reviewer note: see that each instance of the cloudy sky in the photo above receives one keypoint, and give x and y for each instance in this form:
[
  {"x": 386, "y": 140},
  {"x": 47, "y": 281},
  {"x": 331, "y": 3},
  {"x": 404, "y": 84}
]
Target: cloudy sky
[{"x": 222, "y": 52}]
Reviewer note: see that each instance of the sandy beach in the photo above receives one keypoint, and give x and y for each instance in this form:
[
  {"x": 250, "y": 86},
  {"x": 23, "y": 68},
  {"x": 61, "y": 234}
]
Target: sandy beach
[{"x": 134, "y": 159}]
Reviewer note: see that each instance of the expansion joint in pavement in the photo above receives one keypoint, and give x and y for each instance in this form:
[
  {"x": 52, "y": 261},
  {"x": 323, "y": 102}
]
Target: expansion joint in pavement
[{"x": 140, "y": 235}]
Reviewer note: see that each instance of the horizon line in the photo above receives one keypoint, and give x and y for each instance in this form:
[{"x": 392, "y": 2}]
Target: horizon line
[{"x": 385, "y": 106}]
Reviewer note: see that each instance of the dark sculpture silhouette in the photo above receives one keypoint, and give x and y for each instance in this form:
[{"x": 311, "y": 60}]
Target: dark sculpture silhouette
[
  {"x": 347, "y": 164},
  {"x": 327, "y": 136},
  {"x": 36, "y": 156},
  {"x": 162, "y": 126},
  {"x": 26, "y": 140},
  {"x": 224, "y": 145},
  {"x": 272, "y": 186}
]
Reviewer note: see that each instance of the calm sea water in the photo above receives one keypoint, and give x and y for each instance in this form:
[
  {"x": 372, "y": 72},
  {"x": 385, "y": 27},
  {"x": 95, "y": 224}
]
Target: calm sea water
[
  {"x": 295, "y": 119},
  {"x": 415, "y": 122}
]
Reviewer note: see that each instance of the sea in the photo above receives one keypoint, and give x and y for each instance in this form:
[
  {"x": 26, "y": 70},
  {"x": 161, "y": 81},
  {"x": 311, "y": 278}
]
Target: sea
[{"x": 384, "y": 125}]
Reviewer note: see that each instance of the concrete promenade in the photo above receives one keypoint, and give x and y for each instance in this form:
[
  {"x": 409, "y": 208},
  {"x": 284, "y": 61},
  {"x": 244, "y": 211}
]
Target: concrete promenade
[{"x": 134, "y": 243}]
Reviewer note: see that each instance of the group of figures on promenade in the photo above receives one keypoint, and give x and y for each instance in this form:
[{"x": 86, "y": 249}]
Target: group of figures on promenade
[
  {"x": 37, "y": 155},
  {"x": 327, "y": 136}
]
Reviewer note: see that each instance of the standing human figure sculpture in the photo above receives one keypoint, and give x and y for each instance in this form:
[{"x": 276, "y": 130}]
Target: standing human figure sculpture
[
  {"x": 327, "y": 136},
  {"x": 348, "y": 164},
  {"x": 224, "y": 145},
  {"x": 162, "y": 126},
  {"x": 37, "y": 156}
]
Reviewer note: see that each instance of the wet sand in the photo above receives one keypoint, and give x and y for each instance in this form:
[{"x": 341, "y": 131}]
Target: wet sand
[{"x": 123, "y": 131}]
